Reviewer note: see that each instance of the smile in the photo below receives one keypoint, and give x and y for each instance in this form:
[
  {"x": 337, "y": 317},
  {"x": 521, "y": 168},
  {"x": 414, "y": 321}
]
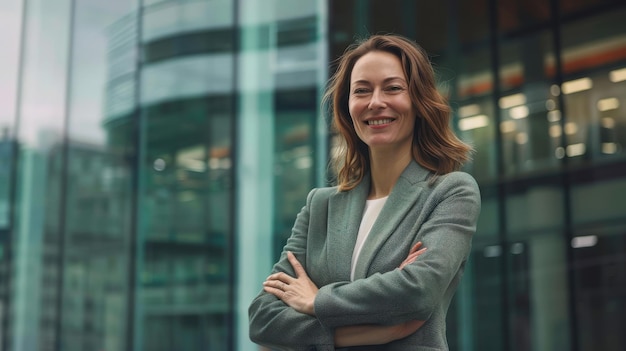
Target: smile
[{"x": 377, "y": 122}]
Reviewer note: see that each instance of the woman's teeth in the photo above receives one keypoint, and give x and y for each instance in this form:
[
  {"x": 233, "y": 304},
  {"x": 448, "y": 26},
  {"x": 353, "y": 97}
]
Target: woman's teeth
[{"x": 376, "y": 122}]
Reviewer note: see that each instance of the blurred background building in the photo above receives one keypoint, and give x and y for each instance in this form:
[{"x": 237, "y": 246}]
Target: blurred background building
[{"x": 154, "y": 154}]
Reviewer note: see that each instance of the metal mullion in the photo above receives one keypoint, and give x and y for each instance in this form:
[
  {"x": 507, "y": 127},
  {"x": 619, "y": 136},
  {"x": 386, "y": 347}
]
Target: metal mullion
[
  {"x": 135, "y": 251},
  {"x": 568, "y": 230},
  {"x": 58, "y": 325},
  {"x": 232, "y": 240},
  {"x": 501, "y": 183}
]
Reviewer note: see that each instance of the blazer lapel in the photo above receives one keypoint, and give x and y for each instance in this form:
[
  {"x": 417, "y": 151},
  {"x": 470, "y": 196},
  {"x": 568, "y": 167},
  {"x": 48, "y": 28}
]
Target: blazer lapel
[
  {"x": 345, "y": 210},
  {"x": 402, "y": 198}
]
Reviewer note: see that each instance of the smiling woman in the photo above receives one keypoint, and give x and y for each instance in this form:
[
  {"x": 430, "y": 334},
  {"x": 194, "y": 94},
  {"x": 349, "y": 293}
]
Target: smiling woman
[
  {"x": 376, "y": 259},
  {"x": 434, "y": 144},
  {"x": 380, "y": 105}
]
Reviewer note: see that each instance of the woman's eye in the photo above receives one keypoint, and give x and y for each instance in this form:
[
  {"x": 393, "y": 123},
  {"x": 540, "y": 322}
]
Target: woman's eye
[
  {"x": 394, "y": 88},
  {"x": 360, "y": 91}
]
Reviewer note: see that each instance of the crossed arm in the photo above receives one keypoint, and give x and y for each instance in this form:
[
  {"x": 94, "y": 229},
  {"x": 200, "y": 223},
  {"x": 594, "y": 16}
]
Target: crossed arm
[
  {"x": 299, "y": 293},
  {"x": 342, "y": 313}
]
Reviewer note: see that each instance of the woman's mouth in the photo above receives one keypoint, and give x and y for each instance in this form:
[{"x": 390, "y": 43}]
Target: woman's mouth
[{"x": 377, "y": 122}]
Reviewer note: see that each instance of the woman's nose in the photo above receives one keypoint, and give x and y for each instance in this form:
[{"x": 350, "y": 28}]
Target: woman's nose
[{"x": 377, "y": 100}]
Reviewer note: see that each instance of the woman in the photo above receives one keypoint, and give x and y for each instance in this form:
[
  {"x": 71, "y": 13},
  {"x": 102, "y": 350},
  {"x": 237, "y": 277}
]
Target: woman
[{"x": 354, "y": 272}]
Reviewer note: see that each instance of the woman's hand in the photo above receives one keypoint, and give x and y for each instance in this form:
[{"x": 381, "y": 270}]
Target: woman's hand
[
  {"x": 298, "y": 293},
  {"x": 413, "y": 254}
]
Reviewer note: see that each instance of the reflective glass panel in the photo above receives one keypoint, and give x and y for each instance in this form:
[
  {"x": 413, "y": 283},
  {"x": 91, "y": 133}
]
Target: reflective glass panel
[
  {"x": 537, "y": 266},
  {"x": 530, "y": 116},
  {"x": 472, "y": 99},
  {"x": 479, "y": 301},
  {"x": 185, "y": 176},
  {"x": 486, "y": 273},
  {"x": 98, "y": 206},
  {"x": 572, "y": 8},
  {"x": 294, "y": 160},
  {"x": 38, "y": 227},
  {"x": 600, "y": 283},
  {"x": 594, "y": 88},
  {"x": 514, "y": 15},
  {"x": 10, "y": 36},
  {"x": 599, "y": 253}
]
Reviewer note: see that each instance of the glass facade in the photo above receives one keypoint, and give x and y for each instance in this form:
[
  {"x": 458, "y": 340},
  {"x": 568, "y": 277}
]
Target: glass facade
[
  {"x": 123, "y": 126},
  {"x": 538, "y": 89},
  {"x": 154, "y": 154}
]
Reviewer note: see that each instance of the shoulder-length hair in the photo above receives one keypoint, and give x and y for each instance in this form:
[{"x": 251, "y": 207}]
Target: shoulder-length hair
[{"x": 435, "y": 146}]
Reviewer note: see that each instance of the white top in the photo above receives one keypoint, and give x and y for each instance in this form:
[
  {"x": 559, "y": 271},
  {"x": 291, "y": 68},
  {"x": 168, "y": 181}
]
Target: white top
[{"x": 371, "y": 212}]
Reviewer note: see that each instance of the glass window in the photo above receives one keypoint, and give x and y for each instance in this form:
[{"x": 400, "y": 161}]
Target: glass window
[
  {"x": 472, "y": 98},
  {"x": 597, "y": 196},
  {"x": 172, "y": 19},
  {"x": 425, "y": 21},
  {"x": 569, "y": 7},
  {"x": 10, "y": 36},
  {"x": 476, "y": 317},
  {"x": 537, "y": 266},
  {"x": 186, "y": 44},
  {"x": 600, "y": 283},
  {"x": 98, "y": 204},
  {"x": 599, "y": 254},
  {"x": 484, "y": 329},
  {"x": 474, "y": 28},
  {"x": 534, "y": 207},
  {"x": 514, "y": 15},
  {"x": 6, "y": 172},
  {"x": 186, "y": 212},
  {"x": 477, "y": 127},
  {"x": 39, "y": 201},
  {"x": 294, "y": 167},
  {"x": 488, "y": 225},
  {"x": 341, "y": 30},
  {"x": 538, "y": 293},
  {"x": 296, "y": 31},
  {"x": 181, "y": 78},
  {"x": 594, "y": 88},
  {"x": 530, "y": 117}
]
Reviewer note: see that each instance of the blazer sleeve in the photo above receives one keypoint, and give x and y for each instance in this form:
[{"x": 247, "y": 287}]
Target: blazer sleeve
[
  {"x": 414, "y": 292},
  {"x": 272, "y": 322}
]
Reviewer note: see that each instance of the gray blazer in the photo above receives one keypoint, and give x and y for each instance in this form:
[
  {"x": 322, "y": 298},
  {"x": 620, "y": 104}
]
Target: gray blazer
[{"x": 440, "y": 211}]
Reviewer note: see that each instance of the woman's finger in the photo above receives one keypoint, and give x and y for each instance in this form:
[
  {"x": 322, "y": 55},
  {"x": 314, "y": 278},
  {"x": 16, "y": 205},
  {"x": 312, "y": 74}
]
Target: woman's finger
[
  {"x": 417, "y": 253},
  {"x": 297, "y": 267},
  {"x": 275, "y": 287},
  {"x": 280, "y": 277},
  {"x": 415, "y": 247},
  {"x": 271, "y": 288},
  {"x": 413, "y": 255}
]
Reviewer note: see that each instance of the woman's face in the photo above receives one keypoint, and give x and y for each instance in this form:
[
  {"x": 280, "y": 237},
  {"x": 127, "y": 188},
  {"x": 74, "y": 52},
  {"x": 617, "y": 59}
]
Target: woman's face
[{"x": 379, "y": 102}]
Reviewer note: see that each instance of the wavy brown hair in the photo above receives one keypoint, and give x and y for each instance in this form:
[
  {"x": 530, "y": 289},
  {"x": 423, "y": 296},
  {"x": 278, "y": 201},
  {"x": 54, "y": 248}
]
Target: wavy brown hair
[{"x": 435, "y": 146}]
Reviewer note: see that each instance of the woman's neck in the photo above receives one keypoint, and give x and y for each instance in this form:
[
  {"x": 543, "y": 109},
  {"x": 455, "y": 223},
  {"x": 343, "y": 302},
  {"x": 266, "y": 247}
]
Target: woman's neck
[{"x": 385, "y": 170}]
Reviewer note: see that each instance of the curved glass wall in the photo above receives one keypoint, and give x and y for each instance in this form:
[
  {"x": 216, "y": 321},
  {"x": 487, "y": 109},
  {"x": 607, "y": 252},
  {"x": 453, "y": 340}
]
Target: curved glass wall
[{"x": 120, "y": 225}]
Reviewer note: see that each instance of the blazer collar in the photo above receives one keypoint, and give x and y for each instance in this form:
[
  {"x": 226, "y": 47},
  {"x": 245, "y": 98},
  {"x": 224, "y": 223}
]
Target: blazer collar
[{"x": 346, "y": 212}]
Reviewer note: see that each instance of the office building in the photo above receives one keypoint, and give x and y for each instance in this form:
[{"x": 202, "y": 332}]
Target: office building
[{"x": 154, "y": 154}]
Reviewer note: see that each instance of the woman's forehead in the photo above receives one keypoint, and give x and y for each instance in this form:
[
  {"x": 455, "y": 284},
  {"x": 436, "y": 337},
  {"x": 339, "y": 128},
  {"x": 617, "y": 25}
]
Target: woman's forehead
[{"x": 377, "y": 65}]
